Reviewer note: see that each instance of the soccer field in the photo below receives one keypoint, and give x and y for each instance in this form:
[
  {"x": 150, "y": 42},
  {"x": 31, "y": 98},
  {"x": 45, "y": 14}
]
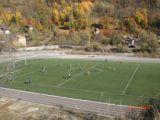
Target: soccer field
[{"x": 104, "y": 81}]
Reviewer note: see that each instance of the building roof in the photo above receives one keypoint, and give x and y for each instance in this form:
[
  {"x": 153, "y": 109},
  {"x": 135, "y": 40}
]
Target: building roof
[{"x": 3, "y": 27}]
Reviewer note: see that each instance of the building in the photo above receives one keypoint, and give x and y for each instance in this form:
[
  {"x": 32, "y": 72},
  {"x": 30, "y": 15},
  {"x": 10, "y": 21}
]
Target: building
[
  {"x": 19, "y": 41},
  {"x": 96, "y": 31},
  {"x": 159, "y": 41},
  {"x": 4, "y": 29}
]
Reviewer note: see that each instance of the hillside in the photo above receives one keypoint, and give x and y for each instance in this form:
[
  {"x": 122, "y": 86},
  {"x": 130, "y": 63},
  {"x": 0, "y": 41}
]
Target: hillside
[
  {"x": 22, "y": 110},
  {"x": 97, "y": 23}
]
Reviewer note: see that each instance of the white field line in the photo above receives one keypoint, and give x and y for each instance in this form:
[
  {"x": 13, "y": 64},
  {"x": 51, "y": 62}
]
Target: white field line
[
  {"x": 76, "y": 76},
  {"x": 67, "y": 88},
  {"x": 1, "y": 88},
  {"x": 86, "y": 91},
  {"x": 90, "y": 91},
  {"x": 130, "y": 79}
]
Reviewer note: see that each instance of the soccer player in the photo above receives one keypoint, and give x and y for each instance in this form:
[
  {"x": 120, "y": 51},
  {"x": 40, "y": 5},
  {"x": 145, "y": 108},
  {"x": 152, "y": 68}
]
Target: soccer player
[{"x": 69, "y": 76}]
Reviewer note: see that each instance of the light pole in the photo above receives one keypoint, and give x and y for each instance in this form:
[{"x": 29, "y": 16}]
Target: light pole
[
  {"x": 30, "y": 31},
  {"x": 10, "y": 65},
  {"x": 25, "y": 51}
]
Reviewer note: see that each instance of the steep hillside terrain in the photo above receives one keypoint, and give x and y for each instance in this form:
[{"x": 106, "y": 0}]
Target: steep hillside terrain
[
  {"x": 20, "y": 110},
  {"x": 86, "y": 22}
]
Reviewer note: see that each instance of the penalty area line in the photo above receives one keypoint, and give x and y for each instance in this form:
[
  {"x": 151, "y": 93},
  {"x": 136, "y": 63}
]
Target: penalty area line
[
  {"x": 59, "y": 85},
  {"x": 130, "y": 79}
]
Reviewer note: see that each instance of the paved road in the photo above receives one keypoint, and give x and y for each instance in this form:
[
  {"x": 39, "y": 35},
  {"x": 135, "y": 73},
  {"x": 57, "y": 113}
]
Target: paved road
[
  {"x": 63, "y": 55},
  {"x": 104, "y": 109}
]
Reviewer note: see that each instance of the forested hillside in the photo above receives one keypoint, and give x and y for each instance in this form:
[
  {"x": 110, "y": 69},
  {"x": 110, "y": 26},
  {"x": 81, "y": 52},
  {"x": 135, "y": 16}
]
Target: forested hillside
[{"x": 85, "y": 22}]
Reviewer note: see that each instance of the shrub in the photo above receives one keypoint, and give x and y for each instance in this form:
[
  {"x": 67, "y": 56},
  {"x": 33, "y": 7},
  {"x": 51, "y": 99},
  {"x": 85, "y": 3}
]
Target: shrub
[
  {"x": 99, "y": 8},
  {"x": 141, "y": 18},
  {"x": 94, "y": 47},
  {"x": 152, "y": 110},
  {"x": 75, "y": 38},
  {"x": 122, "y": 49},
  {"x": 148, "y": 41},
  {"x": 36, "y": 37},
  {"x": 69, "y": 25},
  {"x": 109, "y": 22},
  {"x": 115, "y": 40},
  {"x": 105, "y": 41},
  {"x": 131, "y": 25},
  {"x": 155, "y": 23}
]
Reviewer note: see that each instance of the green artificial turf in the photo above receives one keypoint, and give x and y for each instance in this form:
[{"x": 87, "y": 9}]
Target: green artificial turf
[{"x": 90, "y": 80}]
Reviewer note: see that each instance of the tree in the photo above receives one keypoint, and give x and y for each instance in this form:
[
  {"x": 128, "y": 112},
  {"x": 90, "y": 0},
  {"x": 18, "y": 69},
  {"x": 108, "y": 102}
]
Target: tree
[
  {"x": 141, "y": 17},
  {"x": 56, "y": 17},
  {"x": 13, "y": 20},
  {"x": 18, "y": 17},
  {"x": 7, "y": 16},
  {"x": 108, "y": 22},
  {"x": 99, "y": 9},
  {"x": 143, "y": 35},
  {"x": 151, "y": 110},
  {"x": 153, "y": 43},
  {"x": 131, "y": 25},
  {"x": 148, "y": 41},
  {"x": 80, "y": 17},
  {"x": 49, "y": 2}
]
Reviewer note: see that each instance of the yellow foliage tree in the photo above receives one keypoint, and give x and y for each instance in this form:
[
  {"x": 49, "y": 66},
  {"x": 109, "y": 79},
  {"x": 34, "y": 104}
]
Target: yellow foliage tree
[
  {"x": 81, "y": 18},
  {"x": 68, "y": 8},
  {"x": 56, "y": 16},
  {"x": 7, "y": 16},
  {"x": 18, "y": 16},
  {"x": 65, "y": 14},
  {"x": 141, "y": 17},
  {"x": 86, "y": 6},
  {"x": 39, "y": 26},
  {"x": 109, "y": 22}
]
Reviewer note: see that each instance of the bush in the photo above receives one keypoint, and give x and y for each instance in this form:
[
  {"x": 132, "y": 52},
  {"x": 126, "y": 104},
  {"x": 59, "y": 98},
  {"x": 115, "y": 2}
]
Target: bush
[
  {"x": 115, "y": 40},
  {"x": 103, "y": 7},
  {"x": 153, "y": 42},
  {"x": 148, "y": 41},
  {"x": 93, "y": 47},
  {"x": 141, "y": 18},
  {"x": 84, "y": 37},
  {"x": 75, "y": 38},
  {"x": 105, "y": 41},
  {"x": 109, "y": 22},
  {"x": 152, "y": 109},
  {"x": 68, "y": 25},
  {"x": 36, "y": 37},
  {"x": 155, "y": 23},
  {"x": 99, "y": 8},
  {"x": 131, "y": 25},
  {"x": 122, "y": 49}
]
